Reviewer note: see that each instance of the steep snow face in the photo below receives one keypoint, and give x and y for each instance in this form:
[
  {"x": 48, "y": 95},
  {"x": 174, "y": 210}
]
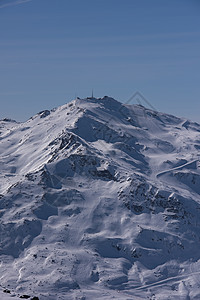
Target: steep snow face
[{"x": 100, "y": 200}]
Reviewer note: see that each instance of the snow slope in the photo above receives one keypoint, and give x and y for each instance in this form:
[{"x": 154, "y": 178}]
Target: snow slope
[{"x": 100, "y": 200}]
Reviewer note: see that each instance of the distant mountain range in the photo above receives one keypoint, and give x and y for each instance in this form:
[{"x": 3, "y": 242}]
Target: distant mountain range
[{"x": 100, "y": 200}]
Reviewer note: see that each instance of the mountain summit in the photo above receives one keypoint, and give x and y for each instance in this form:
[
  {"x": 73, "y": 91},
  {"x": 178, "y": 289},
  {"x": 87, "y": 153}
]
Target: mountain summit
[{"x": 100, "y": 200}]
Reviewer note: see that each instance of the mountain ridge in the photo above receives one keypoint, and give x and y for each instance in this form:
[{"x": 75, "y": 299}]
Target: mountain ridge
[{"x": 100, "y": 199}]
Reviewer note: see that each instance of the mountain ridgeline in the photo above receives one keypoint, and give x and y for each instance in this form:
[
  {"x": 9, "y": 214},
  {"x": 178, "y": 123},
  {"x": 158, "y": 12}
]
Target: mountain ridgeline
[{"x": 100, "y": 200}]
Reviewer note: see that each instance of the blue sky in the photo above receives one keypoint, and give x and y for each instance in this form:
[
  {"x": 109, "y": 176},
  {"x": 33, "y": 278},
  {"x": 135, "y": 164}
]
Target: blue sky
[{"x": 54, "y": 50}]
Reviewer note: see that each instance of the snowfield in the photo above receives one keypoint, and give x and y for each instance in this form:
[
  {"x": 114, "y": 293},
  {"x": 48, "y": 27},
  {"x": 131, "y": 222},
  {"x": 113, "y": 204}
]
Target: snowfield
[{"x": 100, "y": 200}]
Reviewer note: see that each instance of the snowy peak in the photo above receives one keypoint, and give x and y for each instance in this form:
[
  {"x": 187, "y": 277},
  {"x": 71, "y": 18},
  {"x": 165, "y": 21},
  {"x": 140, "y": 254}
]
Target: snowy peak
[
  {"x": 100, "y": 198},
  {"x": 129, "y": 135}
]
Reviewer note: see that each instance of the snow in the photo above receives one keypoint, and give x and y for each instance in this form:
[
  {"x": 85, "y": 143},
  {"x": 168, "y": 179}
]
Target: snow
[{"x": 100, "y": 200}]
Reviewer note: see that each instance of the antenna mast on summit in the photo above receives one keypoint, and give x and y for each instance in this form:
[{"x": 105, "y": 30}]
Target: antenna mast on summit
[{"x": 92, "y": 94}]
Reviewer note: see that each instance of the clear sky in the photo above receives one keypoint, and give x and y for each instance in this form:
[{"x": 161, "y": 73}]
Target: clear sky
[{"x": 54, "y": 50}]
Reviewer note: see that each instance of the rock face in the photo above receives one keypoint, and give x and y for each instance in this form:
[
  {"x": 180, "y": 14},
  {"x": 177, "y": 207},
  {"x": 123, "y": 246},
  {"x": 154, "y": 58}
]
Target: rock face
[{"x": 100, "y": 200}]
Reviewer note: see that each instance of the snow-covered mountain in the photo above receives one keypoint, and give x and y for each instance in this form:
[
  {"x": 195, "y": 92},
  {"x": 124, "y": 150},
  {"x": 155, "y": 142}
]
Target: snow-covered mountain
[{"x": 100, "y": 200}]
